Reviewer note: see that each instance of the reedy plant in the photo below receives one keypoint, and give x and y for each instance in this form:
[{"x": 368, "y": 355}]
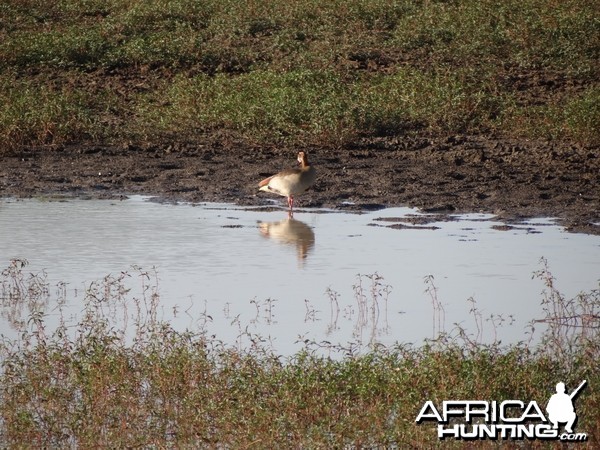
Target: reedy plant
[{"x": 97, "y": 385}]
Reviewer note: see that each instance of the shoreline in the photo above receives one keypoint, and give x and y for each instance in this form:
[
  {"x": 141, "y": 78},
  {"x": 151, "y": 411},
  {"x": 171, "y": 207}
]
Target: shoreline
[{"x": 511, "y": 179}]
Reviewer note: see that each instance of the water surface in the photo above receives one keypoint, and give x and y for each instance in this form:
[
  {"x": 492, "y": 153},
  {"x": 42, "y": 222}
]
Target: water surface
[{"x": 246, "y": 270}]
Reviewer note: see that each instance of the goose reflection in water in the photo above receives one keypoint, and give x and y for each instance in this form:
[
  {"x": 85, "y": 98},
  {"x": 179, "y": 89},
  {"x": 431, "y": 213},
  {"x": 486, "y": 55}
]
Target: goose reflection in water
[{"x": 290, "y": 232}]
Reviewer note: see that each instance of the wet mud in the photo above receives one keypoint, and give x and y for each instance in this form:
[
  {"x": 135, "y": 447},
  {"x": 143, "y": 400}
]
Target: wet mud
[{"x": 438, "y": 174}]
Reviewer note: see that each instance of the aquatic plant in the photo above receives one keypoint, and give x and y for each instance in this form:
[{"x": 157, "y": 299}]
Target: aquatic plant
[{"x": 113, "y": 382}]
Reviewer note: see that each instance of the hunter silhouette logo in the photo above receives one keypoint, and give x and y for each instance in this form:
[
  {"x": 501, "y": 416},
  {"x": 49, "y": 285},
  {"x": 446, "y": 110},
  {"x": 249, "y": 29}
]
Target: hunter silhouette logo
[
  {"x": 560, "y": 407},
  {"x": 509, "y": 419}
]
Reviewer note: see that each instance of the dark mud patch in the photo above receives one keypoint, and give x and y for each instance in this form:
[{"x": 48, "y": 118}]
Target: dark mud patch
[
  {"x": 402, "y": 226},
  {"x": 511, "y": 179},
  {"x": 502, "y": 227},
  {"x": 505, "y": 227},
  {"x": 418, "y": 220},
  {"x": 413, "y": 221}
]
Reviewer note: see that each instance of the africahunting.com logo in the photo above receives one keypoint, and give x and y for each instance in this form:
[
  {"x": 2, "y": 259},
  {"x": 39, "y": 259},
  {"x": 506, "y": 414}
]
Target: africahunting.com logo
[{"x": 510, "y": 419}]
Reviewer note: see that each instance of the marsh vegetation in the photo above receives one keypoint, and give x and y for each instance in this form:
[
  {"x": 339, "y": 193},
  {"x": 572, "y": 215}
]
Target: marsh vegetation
[
  {"x": 120, "y": 383},
  {"x": 296, "y": 71}
]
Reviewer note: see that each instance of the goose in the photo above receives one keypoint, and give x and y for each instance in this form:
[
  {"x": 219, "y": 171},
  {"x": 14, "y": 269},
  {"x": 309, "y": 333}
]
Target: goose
[
  {"x": 290, "y": 232},
  {"x": 291, "y": 182}
]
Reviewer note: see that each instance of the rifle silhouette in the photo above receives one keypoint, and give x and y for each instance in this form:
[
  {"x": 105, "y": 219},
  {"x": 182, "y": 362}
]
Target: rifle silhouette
[{"x": 576, "y": 391}]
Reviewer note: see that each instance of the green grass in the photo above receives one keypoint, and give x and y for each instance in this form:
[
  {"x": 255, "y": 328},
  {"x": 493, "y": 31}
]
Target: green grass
[
  {"x": 268, "y": 104},
  {"x": 576, "y": 117},
  {"x": 104, "y": 383},
  {"x": 37, "y": 113},
  {"x": 325, "y": 72}
]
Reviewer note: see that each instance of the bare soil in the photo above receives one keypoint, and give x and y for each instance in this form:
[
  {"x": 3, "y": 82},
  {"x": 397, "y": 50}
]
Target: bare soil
[{"x": 441, "y": 174}]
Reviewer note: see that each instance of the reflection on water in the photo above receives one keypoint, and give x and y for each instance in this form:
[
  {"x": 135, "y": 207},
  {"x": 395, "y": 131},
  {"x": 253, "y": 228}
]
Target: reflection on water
[
  {"x": 22, "y": 297},
  {"x": 206, "y": 266},
  {"x": 368, "y": 313},
  {"x": 290, "y": 232}
]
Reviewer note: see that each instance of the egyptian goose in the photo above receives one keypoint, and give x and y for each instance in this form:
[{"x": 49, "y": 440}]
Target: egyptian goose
[
  {"x": 291, "y": 182},
  {"x": 290, "y": 232}
]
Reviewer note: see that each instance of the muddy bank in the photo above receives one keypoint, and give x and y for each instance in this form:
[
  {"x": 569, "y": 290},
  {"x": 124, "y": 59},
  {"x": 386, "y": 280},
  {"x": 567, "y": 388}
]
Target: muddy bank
[{"x": 512, "y": 179}]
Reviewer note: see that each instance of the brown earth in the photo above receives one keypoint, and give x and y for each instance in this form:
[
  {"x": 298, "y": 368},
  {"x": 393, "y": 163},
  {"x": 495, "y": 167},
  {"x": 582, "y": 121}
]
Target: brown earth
[{"x": 512, "y": 179}]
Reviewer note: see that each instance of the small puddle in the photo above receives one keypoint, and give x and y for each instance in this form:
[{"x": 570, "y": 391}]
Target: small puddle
[{"x": 387, "y": 276}]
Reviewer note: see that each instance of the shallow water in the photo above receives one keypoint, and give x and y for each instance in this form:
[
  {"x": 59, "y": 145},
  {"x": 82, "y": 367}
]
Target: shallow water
[{"x": 238, "y": 270}]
